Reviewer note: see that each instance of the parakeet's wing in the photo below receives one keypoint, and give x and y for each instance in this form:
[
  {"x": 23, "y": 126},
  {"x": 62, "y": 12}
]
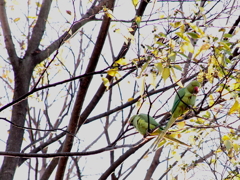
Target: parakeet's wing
[
  {"x": 140, "y": 122},
  {"x": 178, "y": 97},
  {"x": 149, "y": 119}
]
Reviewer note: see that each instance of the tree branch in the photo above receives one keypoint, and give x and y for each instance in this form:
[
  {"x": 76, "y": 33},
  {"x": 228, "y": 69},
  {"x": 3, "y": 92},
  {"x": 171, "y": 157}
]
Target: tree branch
[
  {"x": 89, "y": 16},
  {"x": 7, "y": 34},
  {"x": 39, "y": 28}
]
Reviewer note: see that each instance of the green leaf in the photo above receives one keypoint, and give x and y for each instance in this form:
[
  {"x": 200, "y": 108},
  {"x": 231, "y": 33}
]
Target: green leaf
[
  {"x": 227, "y": 35},
  {"x": 172, "y": 56},
  {"x": 176, "y": 24},
  {"x": 228, "y": 144},
  {"x": 177, "y": 67},
  {"x": 207, "y": 114},
  {"x": 194, "y": 35},
  {"x": 225, "y": 45}
]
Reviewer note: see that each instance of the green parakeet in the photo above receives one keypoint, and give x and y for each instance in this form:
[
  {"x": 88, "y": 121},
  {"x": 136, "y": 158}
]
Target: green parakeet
[
  {"x": 140, "y": 122},
  {"x": 185, "y": 98}
]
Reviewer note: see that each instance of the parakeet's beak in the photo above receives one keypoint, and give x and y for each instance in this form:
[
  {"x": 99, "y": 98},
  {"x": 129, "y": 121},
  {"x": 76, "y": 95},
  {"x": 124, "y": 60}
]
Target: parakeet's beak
[{"x": 196, "y": 90}]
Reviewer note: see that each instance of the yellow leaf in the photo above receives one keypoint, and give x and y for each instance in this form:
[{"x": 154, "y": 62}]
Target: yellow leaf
[
  {"x": 172, "y": 43},
  {"x": 236, "y": 147},
  {"x": 210, "y": 72},
  {"x": 130, "y": 29},
  {"x": 200, "y": 76},
  {"x": 110, "y": 15},
  {"x": 161, "y": 143},
  {"x": 173, "y": 75},
  {"x": 38, "y": 4},
  {"x": 130, "y": 99},
  {"x": 235, "y": 107},
  {"x": 183, "y": 36},
  {"x": 210, "y": 100},
  {"x": 153, "y": 77},
  {"x": 225, "y": 137},
  {"x": 181, "y": 124},
  {"x": 192, "y": 140},
  {"x": 108, "y": 12},
  {"x": 202, "y": 49},
  {"x": 205, "y": 46},
  {"x": 16, "y": 19},
  {"x": 122, "y": 61},
  {"x": 165, "y": 73},
  {"x": 114, "y": 73},
  {"x": 138, "y": 19},
  {"x": 106, "y": 82},
  {"x": 161, "y": 16},
  {"x": 135, "y": 3},
  {"x": 159, "y": 67},
  {"x": 176, "y": 155},
  {"x": 218, "y": 150},
  {"x": 176, "y": 24},
  {"x": 196, "y": 28},
  {"x": 117, "y": 30},
  {"x": 143, "y": 68},
  {"x": 187, "y": 46},
  {"x": 142, "y": 85},
  {"x": 32, "y": 17},
  {"x": 200, "y": 121}
]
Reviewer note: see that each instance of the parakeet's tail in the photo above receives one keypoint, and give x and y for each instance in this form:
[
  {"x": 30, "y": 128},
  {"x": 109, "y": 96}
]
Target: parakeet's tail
[
  {"x": 157, "y": 141},
  {"x": 160, "y": 137},
  {"x": 168, "y": 137}
]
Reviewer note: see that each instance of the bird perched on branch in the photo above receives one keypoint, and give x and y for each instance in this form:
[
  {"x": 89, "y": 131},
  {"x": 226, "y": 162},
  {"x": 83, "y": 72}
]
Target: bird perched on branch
[
  {"x": 146, "y": 124},
  {"x": 185, "y": 99}
]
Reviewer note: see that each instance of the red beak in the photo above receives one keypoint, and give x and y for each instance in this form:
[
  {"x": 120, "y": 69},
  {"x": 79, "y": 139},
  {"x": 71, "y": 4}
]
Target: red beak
[{"x": 196, "y": 90}]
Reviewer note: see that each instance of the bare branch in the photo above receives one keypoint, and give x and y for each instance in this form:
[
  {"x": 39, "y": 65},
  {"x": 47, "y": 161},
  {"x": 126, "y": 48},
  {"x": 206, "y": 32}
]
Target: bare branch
[{"x": 7, "y": 34}]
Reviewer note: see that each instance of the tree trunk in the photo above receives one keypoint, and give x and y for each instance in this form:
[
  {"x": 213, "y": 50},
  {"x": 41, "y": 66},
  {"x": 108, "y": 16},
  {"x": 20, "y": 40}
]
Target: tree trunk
[{"x": 22, "y": 75}]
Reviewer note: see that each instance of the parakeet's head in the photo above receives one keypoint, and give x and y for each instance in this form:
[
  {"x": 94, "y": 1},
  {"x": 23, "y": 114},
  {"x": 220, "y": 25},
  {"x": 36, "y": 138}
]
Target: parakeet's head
[
  {"x": 131, "y": 120},
  {"x": 193, "y": 87}
]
